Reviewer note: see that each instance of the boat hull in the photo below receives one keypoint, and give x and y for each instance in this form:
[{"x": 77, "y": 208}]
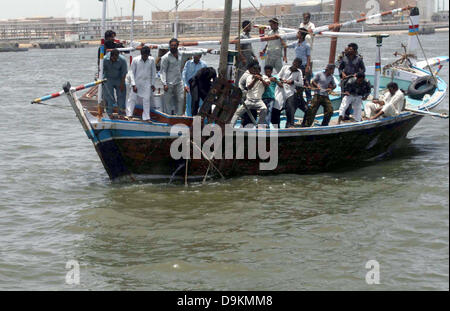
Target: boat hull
[{"x": 297, "y": 154}]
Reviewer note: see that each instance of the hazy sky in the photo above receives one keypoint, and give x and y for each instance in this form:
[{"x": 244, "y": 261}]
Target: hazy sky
[{"x": 92, "y": 8}]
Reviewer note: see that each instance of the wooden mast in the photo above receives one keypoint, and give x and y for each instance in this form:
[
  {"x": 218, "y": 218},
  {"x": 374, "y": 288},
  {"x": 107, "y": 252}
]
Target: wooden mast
[
  {"x": 337, "y": 16},
  {"x": 225, "y": 39}
]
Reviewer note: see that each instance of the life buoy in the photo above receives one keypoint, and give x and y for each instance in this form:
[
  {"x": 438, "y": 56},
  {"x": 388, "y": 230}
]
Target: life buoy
[{"x": 422, "y": 86}]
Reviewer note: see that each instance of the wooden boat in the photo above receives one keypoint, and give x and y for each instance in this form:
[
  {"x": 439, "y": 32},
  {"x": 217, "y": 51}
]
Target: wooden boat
[{"x": 140, "y": 149}]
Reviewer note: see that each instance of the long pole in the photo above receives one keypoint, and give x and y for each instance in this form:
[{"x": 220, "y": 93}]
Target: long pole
[
  {"x": 176, "y": 19},
  {"x": 225, "y": 39},
  {"x": 102, "y": 53},
  {"x": 132, "y": 22},
  {"x": 337, "y": 16},
  {"x": 376, "y": 86}
]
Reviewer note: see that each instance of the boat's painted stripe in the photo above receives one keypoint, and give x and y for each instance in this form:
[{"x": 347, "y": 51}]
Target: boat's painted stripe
[{"x": 413, "y": 30}]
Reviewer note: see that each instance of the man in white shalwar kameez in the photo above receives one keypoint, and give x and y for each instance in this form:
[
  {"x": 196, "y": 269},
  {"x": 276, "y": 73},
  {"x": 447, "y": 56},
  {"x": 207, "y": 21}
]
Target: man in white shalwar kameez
[
  {"x": 142, "y": 76},
  {"x": 389, "y": 105}
]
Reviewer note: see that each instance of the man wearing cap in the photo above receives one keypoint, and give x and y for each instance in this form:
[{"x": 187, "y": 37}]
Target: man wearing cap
[{"x": 276, "y": 49}]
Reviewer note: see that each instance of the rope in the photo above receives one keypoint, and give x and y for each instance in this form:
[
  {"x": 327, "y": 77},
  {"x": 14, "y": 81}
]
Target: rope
[
  {"x": 424, "y": 54},
  {"x": 209, "y": 160},
  {"x": 257, "y": 10}
]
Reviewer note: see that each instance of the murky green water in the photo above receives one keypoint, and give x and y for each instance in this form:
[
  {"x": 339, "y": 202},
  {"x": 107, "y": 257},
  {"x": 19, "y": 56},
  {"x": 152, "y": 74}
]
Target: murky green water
[{"x": 312, "y": 232}]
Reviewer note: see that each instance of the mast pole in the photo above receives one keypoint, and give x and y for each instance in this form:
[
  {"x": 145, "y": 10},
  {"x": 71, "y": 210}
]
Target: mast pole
[
  {"x": 337, "y": 16},
  {"x": 176, "y": 19},
  {"x": 225, "y": 39},
  {"x": 376, "y": 86},
  {"x": 132, "y": 23},
  {"x": 102, "y": 53}
]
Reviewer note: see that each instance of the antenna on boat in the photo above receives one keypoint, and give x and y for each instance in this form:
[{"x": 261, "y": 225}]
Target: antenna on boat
[
  {"x": 102, "y": 55},
  {"x": 337, "y": 17}
]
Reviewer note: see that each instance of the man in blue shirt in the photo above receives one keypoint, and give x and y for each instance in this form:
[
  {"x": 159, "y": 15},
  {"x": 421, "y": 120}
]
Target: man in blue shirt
[
  {"x": 303, "y": 52},
  {"x": 190, "y": 69},
  {"x": 115, "y": 70}
]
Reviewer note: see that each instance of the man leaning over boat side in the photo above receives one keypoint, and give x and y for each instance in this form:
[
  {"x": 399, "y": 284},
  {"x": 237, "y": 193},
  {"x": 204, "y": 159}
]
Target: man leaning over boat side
[
  {"x": 256, "y": 85},
  {"x": 190, "y": 69},
  {"x": 276, "y": 49},
  {"x": 142, "y": 76},
  {"x": 356, "y": 90},
  {"x": 171, "y": 78},
  {"x": 115, "y": 70},
  {"x": 246, "y": 55},
  {"x": 324, "y": 83},
  {"x": 391, "y": 104}
]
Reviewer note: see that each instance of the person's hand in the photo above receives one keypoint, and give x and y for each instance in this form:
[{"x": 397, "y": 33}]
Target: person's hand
[
  {"x": 166, "y": 88},
  {"x": 308, "y": 69},
  {"x": 153, "y": 88},
  {"x": 285, "y": 59},
  {"x": 209, "y": 51},
  {"x": 135, "y": 89},
  {"x": 122, "y": 87},
  {"x": 290, "y": 82},
  {"x": 186, "y": 88},
  {"x": 273, "y": 79}
]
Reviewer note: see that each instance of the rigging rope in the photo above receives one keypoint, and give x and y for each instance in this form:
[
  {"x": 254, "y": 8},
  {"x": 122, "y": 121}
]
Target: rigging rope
[{"x": 425, "y": 55}]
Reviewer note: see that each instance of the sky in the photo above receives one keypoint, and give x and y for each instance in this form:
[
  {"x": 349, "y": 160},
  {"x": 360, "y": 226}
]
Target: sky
[{"x": 92, "y": 8}]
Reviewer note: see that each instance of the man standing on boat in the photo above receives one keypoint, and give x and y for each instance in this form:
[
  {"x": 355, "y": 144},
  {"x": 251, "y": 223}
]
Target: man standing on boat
[
  {"x": 350, "y": 64},
  {"x": 246, "y": 55},
  {"x": 357, "y": 90},
  {"x": 115, "y": 70},
  {"x": 303, "y": 52},
  {"x": 290, "y": 93},
  {"x": 171, "y": 78},
  {"x": 276, "y": 49},
  {"x": 309, "y": 26},
  {"x": 256, "y": 85},
  {"x": 389, "y": 105},
  {"x": 324, "y": 83},
  {"x": 190, "y": 69},
  {"x": 142, "y": 76}
]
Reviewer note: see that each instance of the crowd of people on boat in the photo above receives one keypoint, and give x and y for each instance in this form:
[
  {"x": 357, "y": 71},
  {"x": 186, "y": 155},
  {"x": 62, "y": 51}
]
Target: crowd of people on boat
[{"x": 267, "y": 91}]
